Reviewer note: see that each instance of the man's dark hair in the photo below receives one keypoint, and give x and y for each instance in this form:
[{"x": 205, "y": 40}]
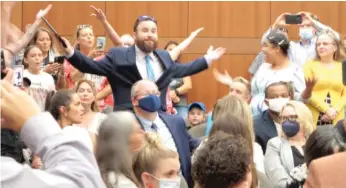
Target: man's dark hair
[
  {"x": 142, "y": 19},
  {"x": 324, "y": 141},
  {"x": 288, "y": 85},
  {"x": 223, "y": 162}
]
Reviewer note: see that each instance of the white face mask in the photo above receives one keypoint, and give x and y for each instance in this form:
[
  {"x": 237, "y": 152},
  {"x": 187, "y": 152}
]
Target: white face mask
[
  {"x": 168, "y": 183},
  {"x": 277, "y": 104},
  {"x": 306, "y": 33},
  {"x": 165, "y": 183}
]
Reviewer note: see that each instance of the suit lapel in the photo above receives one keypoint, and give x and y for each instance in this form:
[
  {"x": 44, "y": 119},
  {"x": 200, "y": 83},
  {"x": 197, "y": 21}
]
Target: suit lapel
[
  {"x": 173, "y": 130},
  {"x": 271, "y": 123},
  {"x": 164, "y": 59},
  {"x": 131, "y": 58},
  {"x": 287, "y": 155}
]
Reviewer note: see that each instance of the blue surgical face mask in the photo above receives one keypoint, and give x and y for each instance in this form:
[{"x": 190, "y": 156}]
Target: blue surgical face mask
[
  {"x": 306, "y": 33},
  {"x": 168, "y": 183},
  {"x": 150, "y": 103},
  {"x": 290, "y": 128}
]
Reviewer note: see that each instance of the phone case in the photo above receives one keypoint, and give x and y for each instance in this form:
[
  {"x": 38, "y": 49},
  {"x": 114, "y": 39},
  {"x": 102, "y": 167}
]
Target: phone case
[
  {"x": 18, "y": 75},
  {"x": 101, "y": 43}
]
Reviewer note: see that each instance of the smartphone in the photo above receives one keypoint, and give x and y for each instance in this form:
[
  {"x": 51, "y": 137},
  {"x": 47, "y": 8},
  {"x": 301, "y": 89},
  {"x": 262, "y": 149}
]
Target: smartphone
[
  {"x": 293, "y": 19},
  {"x": 59, "y": 59},
  {"x": 18, "y": 75},
  {"x": 101, "y": 43}
]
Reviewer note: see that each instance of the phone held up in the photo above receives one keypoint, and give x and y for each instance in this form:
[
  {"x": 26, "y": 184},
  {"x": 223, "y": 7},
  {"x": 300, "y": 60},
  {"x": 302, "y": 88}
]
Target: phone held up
[
  {"x": 293, "y": 19},
  {"x": 101, "y": 43},
  {"x": 18, "y": 75},
  {"x": 59, "y": 59}
]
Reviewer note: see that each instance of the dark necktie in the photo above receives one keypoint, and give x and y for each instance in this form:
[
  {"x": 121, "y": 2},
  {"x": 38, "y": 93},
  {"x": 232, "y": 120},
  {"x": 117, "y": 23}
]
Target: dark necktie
[{"x": 154, "y": 127}]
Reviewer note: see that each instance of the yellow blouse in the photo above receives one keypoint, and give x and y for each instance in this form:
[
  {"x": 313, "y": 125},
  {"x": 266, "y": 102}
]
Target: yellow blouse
[{"x": 329, "y": 81}]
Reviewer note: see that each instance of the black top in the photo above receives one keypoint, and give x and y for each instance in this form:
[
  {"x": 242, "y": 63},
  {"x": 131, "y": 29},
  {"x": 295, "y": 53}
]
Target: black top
[
  {"x": 11, "y": 145},
  {"x": 298, "y": 158}
]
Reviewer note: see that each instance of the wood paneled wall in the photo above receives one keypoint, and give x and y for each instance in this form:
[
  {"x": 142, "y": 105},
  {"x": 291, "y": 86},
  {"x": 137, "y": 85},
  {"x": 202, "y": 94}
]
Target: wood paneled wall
[{"x": 238, "y": 26}]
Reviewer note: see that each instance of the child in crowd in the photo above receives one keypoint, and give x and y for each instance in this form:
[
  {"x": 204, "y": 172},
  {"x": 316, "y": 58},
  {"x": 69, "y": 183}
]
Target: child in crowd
[{"x": 196, "y": 114}]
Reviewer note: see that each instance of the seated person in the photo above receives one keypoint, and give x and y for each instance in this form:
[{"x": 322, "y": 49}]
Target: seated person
[
  {"x": 196, "y": 114},
  {"x": 267, "y": 124},
  {"x": 285, "y": 153},
  {"x": 238, "y": 86},
  {"x": 213, "y": 167}
]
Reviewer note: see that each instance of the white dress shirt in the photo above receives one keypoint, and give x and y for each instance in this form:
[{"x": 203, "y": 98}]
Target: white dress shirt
[
  {"x": 141, "y": 64},
  {"x": 68, "y": 159},
  {"x": 162, "y": 130}
]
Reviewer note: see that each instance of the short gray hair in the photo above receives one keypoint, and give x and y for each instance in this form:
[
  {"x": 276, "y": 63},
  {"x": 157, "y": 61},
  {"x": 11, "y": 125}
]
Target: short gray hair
[{"x": 134, "y": 86}]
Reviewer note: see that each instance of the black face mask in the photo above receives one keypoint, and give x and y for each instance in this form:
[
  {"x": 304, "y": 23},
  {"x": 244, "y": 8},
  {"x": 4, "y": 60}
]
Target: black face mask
[{"x": 290, "y": 128}]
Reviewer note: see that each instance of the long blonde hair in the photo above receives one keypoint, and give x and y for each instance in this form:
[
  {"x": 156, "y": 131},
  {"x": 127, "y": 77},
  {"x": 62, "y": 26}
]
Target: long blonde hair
[
  {"x": 234, "y": 105},
  {"x": 147, "y": 158}
]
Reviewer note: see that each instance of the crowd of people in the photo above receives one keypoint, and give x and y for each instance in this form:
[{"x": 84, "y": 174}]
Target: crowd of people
[{"x": 83, "y": 116}]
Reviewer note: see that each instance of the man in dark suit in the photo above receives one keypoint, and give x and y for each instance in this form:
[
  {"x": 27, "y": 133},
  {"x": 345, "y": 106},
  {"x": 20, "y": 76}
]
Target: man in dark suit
[
  {"x": 171, "y": 128},
  {"x": 125, "y": 66},
  {"x": 267, "y": 124}
]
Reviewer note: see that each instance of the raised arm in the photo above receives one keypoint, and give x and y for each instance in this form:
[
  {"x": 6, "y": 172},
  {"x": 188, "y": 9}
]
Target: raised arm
[
  {"x": 279, "y": 22},
  {"x": 84, "y": 64},
  {"x": 66, "y": 154},
  {"x": 225, "y": 79},
  {"x": 182, "y": 70},
  {"x": 105, "y": 92},
  {"x": 14, "y": 48},
  {"x": 115, "y": 38},
  {"x": 318, "y": 25},
  {"x": 5, "y": 21},
  {"x": 183, "y": 45}
]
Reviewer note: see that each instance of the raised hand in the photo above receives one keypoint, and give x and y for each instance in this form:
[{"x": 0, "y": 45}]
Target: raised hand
[
  {"x": 98, "y": 13},
  {"x": 215, "y": 54},
  {"x": 16, "y": 106},
  {"x": 43, "y": 13},
  {"x": 309, "y": 83},
  {"x": 281, "y": 21},
  {"x": 306, "y": 15},
  {"x": 195, "y": 33},
  {"x": 225, "y": 79}
]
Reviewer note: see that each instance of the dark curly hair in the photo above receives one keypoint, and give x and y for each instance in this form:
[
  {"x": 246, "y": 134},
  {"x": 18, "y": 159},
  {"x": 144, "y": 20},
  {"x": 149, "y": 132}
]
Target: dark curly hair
[
  {"x": 278, "y": 39},
  {"x": 223, "y": 162}
]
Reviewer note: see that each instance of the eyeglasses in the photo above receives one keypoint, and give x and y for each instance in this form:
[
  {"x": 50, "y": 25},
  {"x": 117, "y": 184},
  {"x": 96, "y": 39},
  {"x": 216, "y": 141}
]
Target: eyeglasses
[
  {"x": 324, "y": 43},
  {"x": 144, "y": 17},
  {"x": 288, "y": 118}
]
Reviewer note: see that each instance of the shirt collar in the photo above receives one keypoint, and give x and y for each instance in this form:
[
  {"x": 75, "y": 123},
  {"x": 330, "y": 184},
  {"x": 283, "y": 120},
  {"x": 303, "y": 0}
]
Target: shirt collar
[
  {"x": 140, "y": 54},
  {"x": 147, "y": 123}
]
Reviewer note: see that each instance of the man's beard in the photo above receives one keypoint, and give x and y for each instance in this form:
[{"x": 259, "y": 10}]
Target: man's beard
[{"x": 146, "y": 46}]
